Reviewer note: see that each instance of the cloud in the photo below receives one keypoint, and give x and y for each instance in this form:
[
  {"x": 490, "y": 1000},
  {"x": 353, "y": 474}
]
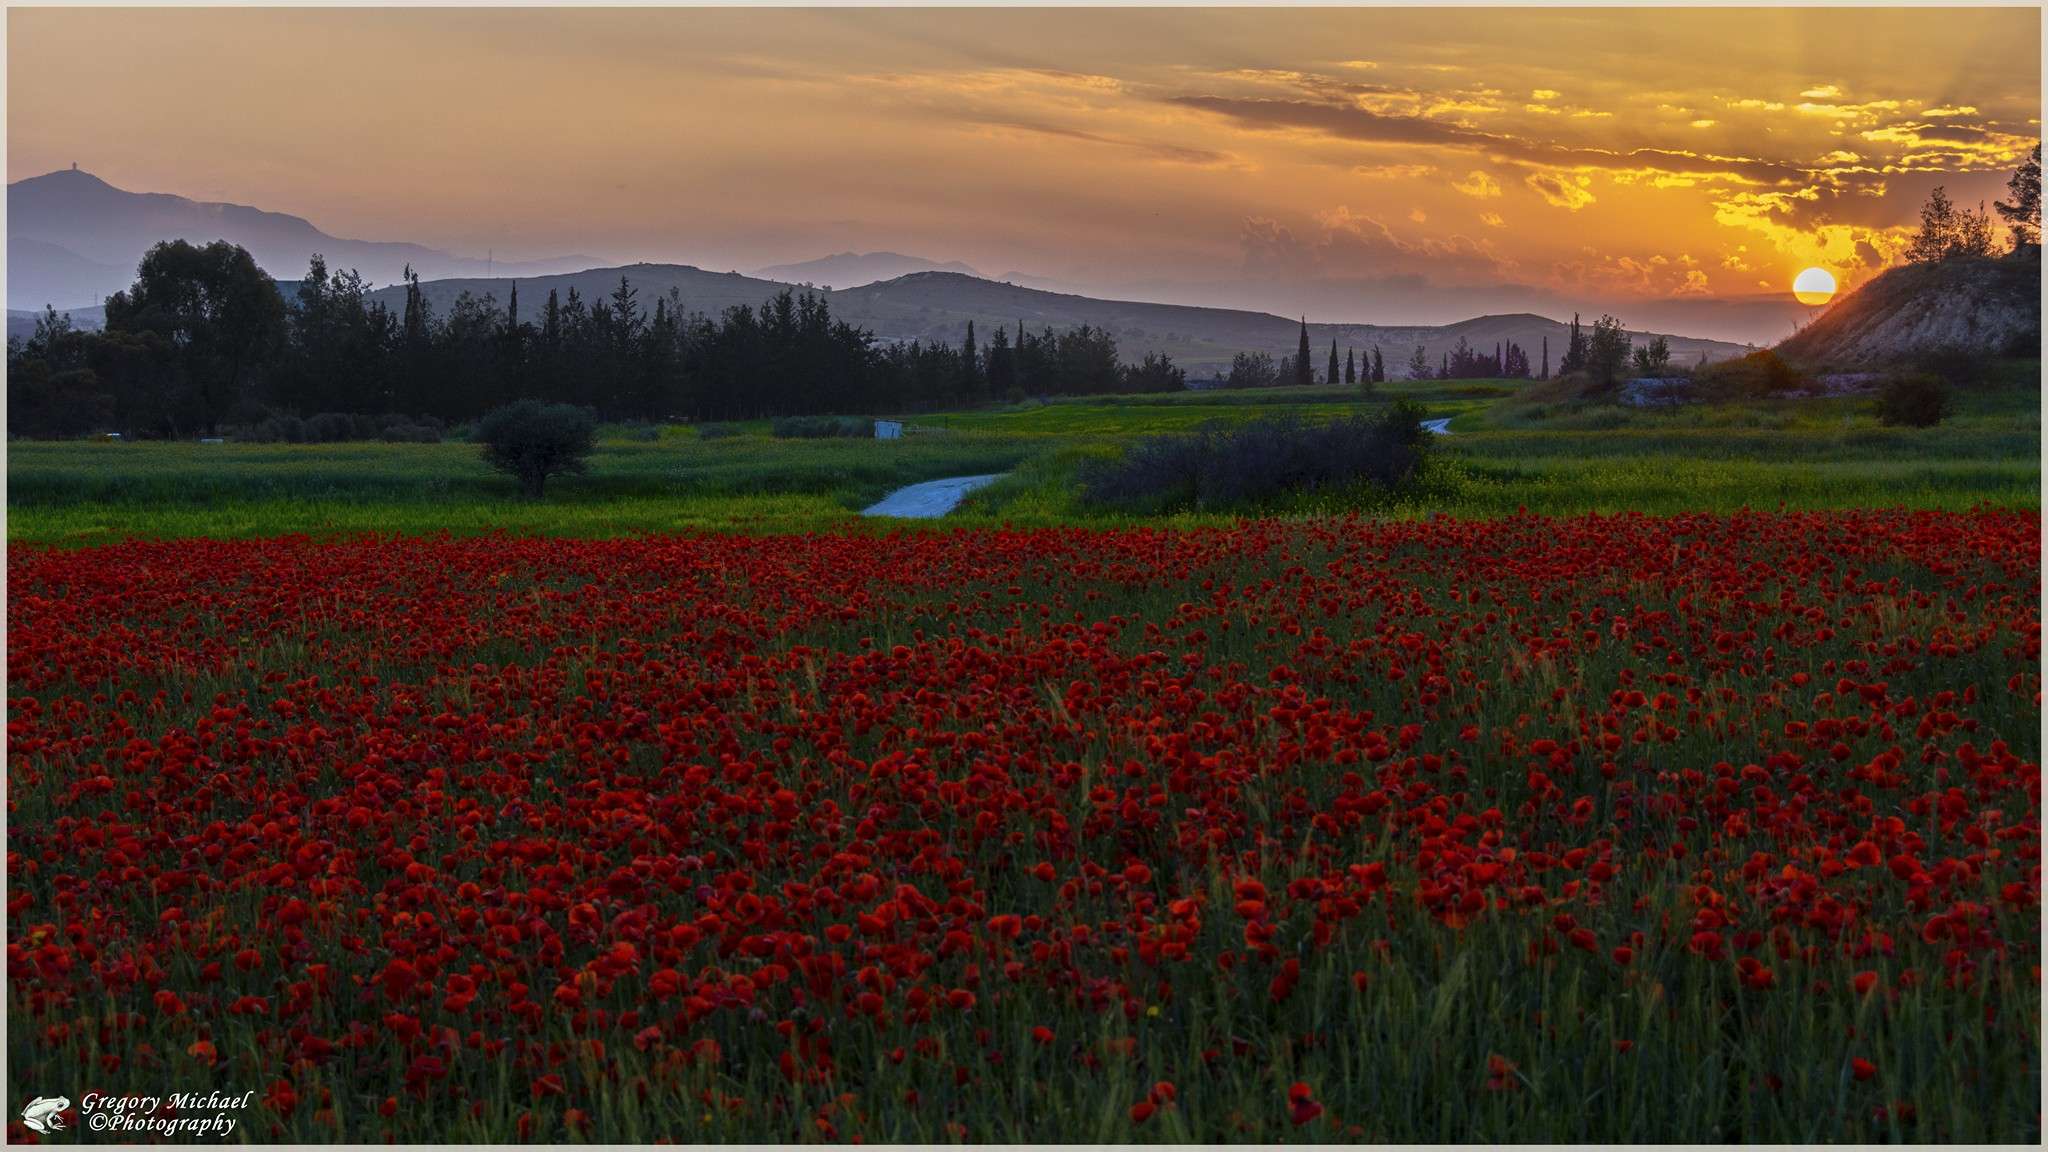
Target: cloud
[
  {"x": 1545, "y": 94},
  {"x": 1418, "y": 215},
  {"x": 1654, "y": 275},
  {"x": 1558, "y": 192},
  {"x": 1345, "y": 243},
  {"x": 1962, "y": 143},
  {"x": 1343, "y": 122},
  {"x": 1479, "y": 185},
  {"x": 1394, "y": 171},
  {"x": 1862, "y": 111},
  {"x": 1704, "y": 123},
  {"x": 1822, "y": 92},
  {"x": 1787, "y": 221},
  {"x": 1492, "y": 220},
  {"x": 1158, "y": 150}
]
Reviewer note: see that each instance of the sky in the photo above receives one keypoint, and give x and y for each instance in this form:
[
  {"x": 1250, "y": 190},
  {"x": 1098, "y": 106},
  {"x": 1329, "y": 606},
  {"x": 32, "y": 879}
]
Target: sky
[{"x": 1378, "y": 165}]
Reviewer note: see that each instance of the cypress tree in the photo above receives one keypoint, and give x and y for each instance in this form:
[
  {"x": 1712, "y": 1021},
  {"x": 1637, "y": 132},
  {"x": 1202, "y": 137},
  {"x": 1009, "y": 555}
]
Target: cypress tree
[
  {"x": 1332, "y": 378},
  {"x": 1351, "y": 365},
  {"x": 1546, "y": 359},
  {"x": 1304, "y": 368}
]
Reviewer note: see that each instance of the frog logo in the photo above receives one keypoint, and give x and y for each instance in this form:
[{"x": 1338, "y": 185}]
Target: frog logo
[{"x": 45, "y": 1113}]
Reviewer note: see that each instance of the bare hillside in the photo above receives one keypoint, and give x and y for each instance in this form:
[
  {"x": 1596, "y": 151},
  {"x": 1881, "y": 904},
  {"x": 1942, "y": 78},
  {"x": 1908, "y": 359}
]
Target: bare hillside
[{"x": 1986, "y": 305}]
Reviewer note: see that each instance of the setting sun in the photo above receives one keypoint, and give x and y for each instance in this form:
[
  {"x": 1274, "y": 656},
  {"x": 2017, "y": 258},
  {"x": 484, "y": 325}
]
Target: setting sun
[{"x": 1814, "y": 286}]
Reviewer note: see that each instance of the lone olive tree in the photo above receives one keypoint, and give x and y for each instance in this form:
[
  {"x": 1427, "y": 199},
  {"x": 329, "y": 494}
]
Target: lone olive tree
[{"x": 531, "y": 441}]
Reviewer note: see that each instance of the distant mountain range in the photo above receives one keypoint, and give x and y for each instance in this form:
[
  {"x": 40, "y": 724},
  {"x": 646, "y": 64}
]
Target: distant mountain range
[
  {"x": 74, "y": 239},
  {"x": 853, "y": 269},
  {"x": 937, "y": 306}
]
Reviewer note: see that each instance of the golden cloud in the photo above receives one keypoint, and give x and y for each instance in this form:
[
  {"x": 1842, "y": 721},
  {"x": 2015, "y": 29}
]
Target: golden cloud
[
  {"x": 1559, "y": 192},
  {"x": 1479, "y": 186}
]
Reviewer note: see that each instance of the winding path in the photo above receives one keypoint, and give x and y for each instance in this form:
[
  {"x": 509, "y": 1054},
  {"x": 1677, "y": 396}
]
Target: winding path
[
  {"x": 1441, "y": 427},
  {"x": 931, "y": 499}
]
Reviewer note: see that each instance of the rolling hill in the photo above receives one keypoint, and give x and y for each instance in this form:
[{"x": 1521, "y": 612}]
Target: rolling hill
[
  {"x": 853, "y": 269},
  {"x": 74, "y": 239},
  {"x": 1990, "y": 306}
]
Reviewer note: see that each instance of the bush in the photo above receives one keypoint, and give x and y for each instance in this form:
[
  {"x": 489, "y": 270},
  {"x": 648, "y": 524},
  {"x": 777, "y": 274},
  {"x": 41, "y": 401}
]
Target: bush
[
  {"x": 823, "y": 427},
  {"x": 1254, "y": 463},
  {"x": 1958, "y": 364},
  {"x": 1759, "y": 374},
  {"x": 403, "y": 433},
  {"x": 530, "y": 441},
  {"x": 717, "y": 431},
  {"x": 1919, "y": 400}
]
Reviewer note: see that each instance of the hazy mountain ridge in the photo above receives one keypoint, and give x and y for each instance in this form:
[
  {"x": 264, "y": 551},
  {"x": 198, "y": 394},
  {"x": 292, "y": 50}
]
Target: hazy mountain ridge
[
  {"x": 853, "y": 269},
  {"x": 939, "y": 305},
  {"x": 74, "y": 239}
]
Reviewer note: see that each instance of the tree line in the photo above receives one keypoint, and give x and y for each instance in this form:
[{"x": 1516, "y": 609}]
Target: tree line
[{"x": 204, "y": 340}]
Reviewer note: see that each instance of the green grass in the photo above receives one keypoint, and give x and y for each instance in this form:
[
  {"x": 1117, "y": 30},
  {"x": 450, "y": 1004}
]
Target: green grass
[{"x": 1508, "y": 451}]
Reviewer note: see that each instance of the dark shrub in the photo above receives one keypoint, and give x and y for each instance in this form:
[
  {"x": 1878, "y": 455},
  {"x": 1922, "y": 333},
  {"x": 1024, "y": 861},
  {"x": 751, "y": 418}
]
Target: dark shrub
[
  {"x": 410, "y": 434},
  {"x": 1761, "y": 373},
  {"x": 823, "y": 427},
  {"x": 1258, "y": 462},
  {"x": 1920, "y": 400},
  {"x": 530, "y": 441},
  {"x": 329, "y": 427},
  {"x": 1958, "y": 364},
  {"x": 717, "y": 431}
]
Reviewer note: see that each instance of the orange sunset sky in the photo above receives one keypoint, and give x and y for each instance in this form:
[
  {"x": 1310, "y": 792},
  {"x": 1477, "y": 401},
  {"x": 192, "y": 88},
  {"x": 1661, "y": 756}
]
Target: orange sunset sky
[{"x": 1397, "y": 165}]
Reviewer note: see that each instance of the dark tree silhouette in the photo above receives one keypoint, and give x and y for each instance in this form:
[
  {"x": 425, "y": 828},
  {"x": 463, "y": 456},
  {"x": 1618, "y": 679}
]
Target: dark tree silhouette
[
  {"x": 531, "y": 442},
  {"x": 221, "y": 317},
  {"x": 2022, "y": 214}
]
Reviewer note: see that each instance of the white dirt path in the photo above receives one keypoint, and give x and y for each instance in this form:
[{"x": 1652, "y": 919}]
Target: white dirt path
[{"x": 928, "y": 500}]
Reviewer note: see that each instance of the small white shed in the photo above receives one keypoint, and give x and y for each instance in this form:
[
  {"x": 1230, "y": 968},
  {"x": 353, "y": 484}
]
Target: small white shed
[{"x": 888, "y": 430}]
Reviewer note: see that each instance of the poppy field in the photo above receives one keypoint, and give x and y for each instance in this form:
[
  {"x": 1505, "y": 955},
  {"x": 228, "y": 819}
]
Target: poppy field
[{"x": 1623, "y": 828}]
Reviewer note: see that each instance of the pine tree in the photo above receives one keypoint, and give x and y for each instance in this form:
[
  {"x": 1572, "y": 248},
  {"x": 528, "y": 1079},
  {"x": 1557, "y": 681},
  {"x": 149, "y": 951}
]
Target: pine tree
[
  {"x": 512, "y": 310},
  {"x": 1351, "y": 365},
  {"x": 1304, "y": 368},
  {"x": 2023, "y": 214},
  {"x": 1546, "y": 359},
  {"x": 1575, "y": 350},
  {"x": 970, "y": 360},
  {"x": 414, "y": 308},
  {"x": 1002, "y": 374},
  {"x": 1332, "y": 377},
  {"x": 1379, "y": 366}
]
